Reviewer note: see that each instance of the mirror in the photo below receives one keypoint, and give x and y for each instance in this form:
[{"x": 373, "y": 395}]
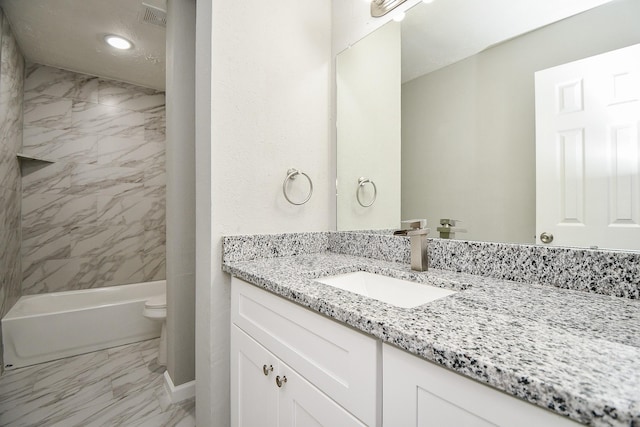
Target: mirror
[{"x": 467, "y": 149}]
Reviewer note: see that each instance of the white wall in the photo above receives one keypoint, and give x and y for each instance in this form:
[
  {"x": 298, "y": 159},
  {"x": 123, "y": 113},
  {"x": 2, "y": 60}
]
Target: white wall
[
  {"x": 181, "y": 241},
  {"x": 263, "y": 105},
  {"x": 207, "y": 301},
  {"x": 368, "y": 84}
]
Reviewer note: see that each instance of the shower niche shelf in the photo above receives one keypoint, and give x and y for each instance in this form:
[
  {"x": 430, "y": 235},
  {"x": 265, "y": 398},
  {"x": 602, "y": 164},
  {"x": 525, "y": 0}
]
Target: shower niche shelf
[
  {"x": 27, "y": 158},
  {"x": 30, "y": 164}
]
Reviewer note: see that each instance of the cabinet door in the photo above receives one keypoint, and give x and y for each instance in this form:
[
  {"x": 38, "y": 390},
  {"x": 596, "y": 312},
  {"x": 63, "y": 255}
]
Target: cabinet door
[
  {"x": 419, "y": 393},
  {"x": 340, "y": 361},
  {"x": 303, "y": 405},
  {"x": 254, "y": 395}
]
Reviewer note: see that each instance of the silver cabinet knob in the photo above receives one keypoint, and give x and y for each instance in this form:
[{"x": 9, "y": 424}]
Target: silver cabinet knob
[
  {"x": 280, "y": 381},
  {"x": 266, "y": 369},
  {"x": 546, "y": 238}
]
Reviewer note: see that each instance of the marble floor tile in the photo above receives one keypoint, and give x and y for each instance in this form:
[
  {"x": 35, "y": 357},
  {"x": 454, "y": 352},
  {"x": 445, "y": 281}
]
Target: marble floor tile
[
  {"x": 118, "y": 386},
  {"x": 15, "y": 385},
  {"x": 181, "y": 415},
  {"x": 138, "y": 379},
  {"x": 50, "y": 405},
  {"x": 124, "y": 411}
]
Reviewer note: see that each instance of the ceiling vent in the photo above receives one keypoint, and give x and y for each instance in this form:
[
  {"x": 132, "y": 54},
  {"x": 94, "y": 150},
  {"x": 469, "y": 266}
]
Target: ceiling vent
[{"x": 153, "y": 13}]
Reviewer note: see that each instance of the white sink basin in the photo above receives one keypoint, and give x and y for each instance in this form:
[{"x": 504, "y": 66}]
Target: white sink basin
[{"x": 398, "y": 292}]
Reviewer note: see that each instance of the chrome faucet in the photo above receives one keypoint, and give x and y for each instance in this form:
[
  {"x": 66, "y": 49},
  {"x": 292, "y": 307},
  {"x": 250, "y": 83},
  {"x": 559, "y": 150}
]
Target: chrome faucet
[
  {"x": 448, "y": 228},
  {"x": 417, "y": 232}
]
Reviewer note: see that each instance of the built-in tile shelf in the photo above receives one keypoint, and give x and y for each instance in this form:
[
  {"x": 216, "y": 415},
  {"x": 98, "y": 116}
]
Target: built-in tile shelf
[
  {"x": 27, "y": 158},
  {"x": 29, "y": 164}
]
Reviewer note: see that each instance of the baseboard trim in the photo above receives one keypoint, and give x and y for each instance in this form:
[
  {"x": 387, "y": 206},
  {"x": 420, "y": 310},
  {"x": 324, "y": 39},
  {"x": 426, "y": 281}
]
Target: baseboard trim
[{"x": 182, "y": 392}]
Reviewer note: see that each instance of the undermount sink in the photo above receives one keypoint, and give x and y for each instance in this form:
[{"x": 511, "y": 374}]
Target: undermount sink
[{"x": 398, "y": 292}]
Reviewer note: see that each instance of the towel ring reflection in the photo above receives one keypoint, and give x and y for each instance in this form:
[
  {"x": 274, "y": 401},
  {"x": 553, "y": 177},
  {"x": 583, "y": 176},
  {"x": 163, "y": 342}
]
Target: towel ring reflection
[
  {"x": 291, "y": 175},
  {"x": 361, "y": 182}
]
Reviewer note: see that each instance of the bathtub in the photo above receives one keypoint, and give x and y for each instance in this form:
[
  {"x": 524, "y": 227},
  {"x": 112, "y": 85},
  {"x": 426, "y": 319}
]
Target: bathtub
[{"x": 45, "y": 327}]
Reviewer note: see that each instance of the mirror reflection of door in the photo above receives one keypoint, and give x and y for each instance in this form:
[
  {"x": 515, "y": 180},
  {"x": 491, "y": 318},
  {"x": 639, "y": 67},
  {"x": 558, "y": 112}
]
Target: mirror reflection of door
[{"x": 588, "y": 151}]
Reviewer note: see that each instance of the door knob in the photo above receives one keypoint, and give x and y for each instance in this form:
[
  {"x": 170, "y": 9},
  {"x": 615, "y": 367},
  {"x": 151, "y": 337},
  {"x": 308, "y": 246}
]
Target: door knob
[{"x": 546, "y": 238}]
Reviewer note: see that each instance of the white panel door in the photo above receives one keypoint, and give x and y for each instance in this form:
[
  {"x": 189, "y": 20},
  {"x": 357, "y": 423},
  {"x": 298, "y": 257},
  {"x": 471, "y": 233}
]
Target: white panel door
[
  {"x": 588, "y": 151},
  {"x": 254, "y": 396}
]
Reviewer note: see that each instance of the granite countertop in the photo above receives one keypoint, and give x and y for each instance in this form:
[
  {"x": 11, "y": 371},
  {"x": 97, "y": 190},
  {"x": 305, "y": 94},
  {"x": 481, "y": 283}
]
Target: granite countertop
[{"x": 572, "y": 352}]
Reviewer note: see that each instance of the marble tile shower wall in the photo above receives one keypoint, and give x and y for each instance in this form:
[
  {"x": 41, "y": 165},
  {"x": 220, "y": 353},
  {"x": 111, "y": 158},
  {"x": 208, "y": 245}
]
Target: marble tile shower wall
[
  {"x": 11, "y": 81},
  {"x": 95, "y": 216}
]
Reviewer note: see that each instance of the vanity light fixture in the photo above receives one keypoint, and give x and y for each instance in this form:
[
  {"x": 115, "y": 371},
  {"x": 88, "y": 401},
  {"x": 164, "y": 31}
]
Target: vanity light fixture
[
  {"x": 118, "y": 42},
  {"x": 382, "y": 7}
]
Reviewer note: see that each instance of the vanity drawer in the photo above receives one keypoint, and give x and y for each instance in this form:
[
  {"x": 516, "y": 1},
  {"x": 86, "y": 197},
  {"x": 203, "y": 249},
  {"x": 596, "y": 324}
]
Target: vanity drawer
[{"x": 341, "y": 362}]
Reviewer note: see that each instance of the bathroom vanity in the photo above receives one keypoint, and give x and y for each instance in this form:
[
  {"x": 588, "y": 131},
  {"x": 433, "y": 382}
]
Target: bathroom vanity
[
  {"x": 299, "y": 366},
  {"x": 497, "y": 352},
  {"x": 301, "y": 363}
]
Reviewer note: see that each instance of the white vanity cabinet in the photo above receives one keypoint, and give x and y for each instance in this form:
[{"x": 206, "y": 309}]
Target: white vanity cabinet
[
  {"x": 332, "y": 371},
  {"x": 420, "y": 393},
  {"x": 337, "y": 376},
  {"x": 254, "y": 400},
  {"x": 268, "y": 393}
]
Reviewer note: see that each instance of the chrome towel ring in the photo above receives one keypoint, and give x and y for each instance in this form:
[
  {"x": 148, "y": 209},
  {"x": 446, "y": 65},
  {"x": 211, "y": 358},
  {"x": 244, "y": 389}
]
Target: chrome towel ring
[
  {"x": 291, "y": 175},
  {"x": 361, "y": 182}
]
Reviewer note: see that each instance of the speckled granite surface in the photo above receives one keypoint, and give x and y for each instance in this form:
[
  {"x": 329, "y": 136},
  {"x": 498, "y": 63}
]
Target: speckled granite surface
[
  {"x": 575, "y": 353},
  {"x": 604, "y": 272},
  {"x": 248, "y": 247}
]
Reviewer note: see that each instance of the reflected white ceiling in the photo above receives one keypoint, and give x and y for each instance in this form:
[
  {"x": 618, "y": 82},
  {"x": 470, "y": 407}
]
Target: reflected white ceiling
[
  {"x": 70, "y": 34},
  {"x": 443, "y": 32}
]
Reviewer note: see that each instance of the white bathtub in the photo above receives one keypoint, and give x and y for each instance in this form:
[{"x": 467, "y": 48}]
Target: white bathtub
[{"x": 45, "y": 327}]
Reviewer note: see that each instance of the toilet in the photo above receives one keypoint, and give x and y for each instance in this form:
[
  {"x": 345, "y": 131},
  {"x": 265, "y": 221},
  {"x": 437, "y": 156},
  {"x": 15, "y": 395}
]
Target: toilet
[{"x": 155, "y": 308}]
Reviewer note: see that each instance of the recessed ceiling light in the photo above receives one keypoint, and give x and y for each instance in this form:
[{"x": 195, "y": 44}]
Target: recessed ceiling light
[{"x": 118, "y": 42}]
